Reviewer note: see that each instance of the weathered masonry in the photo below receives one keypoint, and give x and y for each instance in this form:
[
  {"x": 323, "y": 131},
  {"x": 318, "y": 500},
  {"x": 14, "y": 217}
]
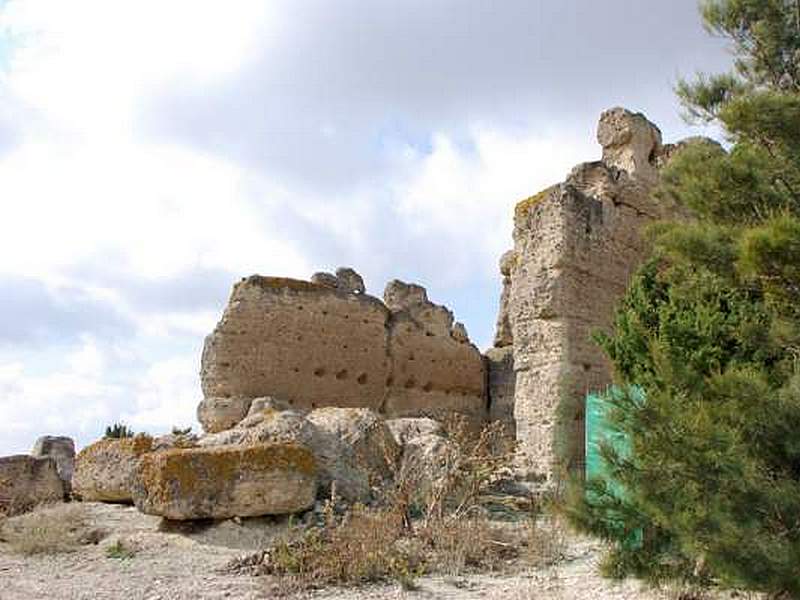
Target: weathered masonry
[
  {"x": 325, "y": 342},
  {"x": 576, "y": 246}
]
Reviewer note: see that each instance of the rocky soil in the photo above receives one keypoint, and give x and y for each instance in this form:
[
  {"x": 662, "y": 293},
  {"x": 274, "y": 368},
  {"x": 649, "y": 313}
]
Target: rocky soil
[{"x": 189, "y": 562}]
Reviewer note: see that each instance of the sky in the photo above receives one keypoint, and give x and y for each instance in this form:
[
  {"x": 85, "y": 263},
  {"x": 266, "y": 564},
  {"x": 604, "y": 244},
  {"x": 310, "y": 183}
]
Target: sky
[{"x": 152, "y": 153}]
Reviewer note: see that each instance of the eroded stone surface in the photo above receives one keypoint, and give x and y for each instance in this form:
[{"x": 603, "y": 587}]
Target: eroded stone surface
[
  {"x": 314, "y": 345},
  {"x": 26, "y": 481},
  {"x": 60, "y": 448},
  {"x": 219, "y": 414},
  {"x": 104, "y": 470},
  {"x": 406, "y": 429},
  {"x": 336, "y": 460},
  {"x": 307, "y": 343},
  {"x": 576, "y": 246},
  {"x": 501, "y": 389},
  {"x": 226, "y": 481},
  {"x": 375, "y": 450}
]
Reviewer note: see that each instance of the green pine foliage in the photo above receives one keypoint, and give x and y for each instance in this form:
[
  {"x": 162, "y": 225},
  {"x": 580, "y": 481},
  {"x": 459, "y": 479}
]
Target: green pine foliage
[
  {"x": 119, "y": 430},
  {"x": 710, "y": 330}
]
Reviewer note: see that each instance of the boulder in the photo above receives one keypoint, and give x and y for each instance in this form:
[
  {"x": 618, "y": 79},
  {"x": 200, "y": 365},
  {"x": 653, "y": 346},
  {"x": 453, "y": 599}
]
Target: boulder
[
  {"x": 459, "y": 333},
  {"x": 406, "y": 429},
  {"x": 373, "y": 444},
  {"x": 60, "y": 448},
  {"x": 26, "y": 481},
  {"x": 226, "y": 481},
  {"x": 336, "y": 460},
  {"x": 399, "y": 295},
  {"x": 350, "y": 281},
  {"x": 219, "y": 414},
  {"x": 426, "y": 459},
  {"x": 104, "y": 471}
]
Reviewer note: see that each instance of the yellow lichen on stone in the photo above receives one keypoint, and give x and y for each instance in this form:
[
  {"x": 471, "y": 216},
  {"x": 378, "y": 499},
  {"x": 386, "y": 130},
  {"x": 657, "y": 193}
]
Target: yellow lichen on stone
[
  {"x": 277, "y": 283},
  {"x": 137, "y": 445},
  {"x": 525, "y": 205},
  {"x": 179, "y": 471}
]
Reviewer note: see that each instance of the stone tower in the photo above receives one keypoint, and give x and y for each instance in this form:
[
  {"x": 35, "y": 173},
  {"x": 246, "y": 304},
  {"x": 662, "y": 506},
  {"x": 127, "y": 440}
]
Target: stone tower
[{"x": 576, "y": 246}]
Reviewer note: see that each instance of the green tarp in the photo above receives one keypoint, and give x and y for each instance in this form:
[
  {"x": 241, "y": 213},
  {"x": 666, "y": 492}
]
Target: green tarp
[{"x": 599, "y": 431}]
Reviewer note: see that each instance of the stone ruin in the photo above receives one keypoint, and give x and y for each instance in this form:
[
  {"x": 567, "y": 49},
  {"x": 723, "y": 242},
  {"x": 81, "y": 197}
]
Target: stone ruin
[
  {"x": 576, "y": 246},
  {"x": 325, "y": 342},
  {"x": 311, "y": 386}
]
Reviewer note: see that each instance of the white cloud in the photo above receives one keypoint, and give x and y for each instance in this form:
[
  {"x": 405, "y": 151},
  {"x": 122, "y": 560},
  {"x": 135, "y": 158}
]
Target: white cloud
[
  {"x": 84, "y": 64},
  {"x": 468, "y": 195},
  {"x": 300, "y": 126},
  {"x": 166, "y": 396}
]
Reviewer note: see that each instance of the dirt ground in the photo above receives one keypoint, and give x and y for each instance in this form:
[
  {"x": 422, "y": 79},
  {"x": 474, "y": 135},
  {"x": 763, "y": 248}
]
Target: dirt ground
[{"x": 188, "y": 563}]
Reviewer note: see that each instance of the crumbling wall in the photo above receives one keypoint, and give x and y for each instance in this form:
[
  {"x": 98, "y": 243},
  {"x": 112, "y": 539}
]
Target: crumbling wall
[
  {"x": 576, "y": 246},
  {"x": 327, "y": 343},
  {"x": 434, "y": 368},
  {"x": 307, "y": 343}
]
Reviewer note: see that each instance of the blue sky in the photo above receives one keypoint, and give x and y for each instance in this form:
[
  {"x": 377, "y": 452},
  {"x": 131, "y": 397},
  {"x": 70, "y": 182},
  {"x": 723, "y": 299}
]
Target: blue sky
[{"x": 153, "y": 153}]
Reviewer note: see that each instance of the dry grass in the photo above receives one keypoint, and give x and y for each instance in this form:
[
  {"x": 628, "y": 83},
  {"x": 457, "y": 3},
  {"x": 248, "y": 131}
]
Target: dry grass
[
  {"x": 423, "y": 522},
  {"x": 49, "y": 530}
]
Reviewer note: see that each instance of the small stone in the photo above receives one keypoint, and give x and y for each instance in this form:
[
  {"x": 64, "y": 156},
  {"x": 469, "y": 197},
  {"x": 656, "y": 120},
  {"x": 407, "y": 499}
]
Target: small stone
[
  {"x": 459, "y": 333},
  {"x": 350, "y": 281}
]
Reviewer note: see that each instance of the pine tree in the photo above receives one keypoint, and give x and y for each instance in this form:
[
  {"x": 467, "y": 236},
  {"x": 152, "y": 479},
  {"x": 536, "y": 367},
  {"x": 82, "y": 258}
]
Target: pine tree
[{"x": 710, "y": 331}]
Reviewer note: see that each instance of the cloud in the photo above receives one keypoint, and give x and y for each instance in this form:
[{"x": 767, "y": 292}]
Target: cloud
[{"x": 152, "y": 153}]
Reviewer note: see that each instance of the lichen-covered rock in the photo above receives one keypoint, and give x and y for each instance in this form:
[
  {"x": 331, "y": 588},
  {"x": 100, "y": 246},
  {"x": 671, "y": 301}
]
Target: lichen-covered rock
[
  {"x": 26, "y": 481},
  {"x": 373, "y": 444},
  {"x": 104, "y": 471},
  {"x": 226, "y": 481},
  {"x": 336, "y": 460},
  {"x": 60, "y": 448},
  {"x": 219, "y": 414},
  {"x": 406, "y": 429}
]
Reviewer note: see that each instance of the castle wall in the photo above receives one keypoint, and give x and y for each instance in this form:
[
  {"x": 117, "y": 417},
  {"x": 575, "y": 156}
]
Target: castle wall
[
  {"x": 308, "y": 344},
  {"x": 327, "y": 344},
  {"x": 576, "y": 246}
]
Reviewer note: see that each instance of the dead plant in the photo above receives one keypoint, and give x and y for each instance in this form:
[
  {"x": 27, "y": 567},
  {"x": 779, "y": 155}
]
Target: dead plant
[{"x": 50, "y": 530}]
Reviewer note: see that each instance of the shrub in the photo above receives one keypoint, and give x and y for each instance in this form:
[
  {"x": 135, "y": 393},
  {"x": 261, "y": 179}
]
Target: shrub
[
  {"x": 119, "y": 430},
  {"x": 120, "y": 550}
]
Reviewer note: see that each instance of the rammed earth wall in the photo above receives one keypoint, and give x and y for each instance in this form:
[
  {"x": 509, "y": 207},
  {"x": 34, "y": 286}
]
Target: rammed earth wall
[{"x": 316, "y": 345}]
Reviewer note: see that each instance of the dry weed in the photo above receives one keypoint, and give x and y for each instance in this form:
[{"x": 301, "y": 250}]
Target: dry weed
[{"x": 49, "y": 530}]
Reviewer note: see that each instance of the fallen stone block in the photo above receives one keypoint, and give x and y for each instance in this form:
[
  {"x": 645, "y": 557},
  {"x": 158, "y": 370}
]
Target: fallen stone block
[{"x": 226, "y": 481}]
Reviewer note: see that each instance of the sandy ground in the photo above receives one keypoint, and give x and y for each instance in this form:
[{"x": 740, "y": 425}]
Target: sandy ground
[{"x": 188, "y": 564}]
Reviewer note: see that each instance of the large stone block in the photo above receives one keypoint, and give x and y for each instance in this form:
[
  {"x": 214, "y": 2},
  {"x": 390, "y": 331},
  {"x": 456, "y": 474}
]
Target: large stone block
[
  {"x": 26, "y": 481},
  {"x": 226, "y": 481},
  {"x": 104, "y": 471}
]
